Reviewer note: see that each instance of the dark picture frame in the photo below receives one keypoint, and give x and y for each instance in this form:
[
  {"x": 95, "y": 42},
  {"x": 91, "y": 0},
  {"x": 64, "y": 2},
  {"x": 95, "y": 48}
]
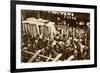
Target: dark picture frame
[{"x": 13, "y": 36}]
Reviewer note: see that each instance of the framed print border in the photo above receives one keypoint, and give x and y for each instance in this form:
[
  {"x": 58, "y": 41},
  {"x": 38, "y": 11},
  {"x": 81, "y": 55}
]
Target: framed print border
[{"x": 13, "y": 35}]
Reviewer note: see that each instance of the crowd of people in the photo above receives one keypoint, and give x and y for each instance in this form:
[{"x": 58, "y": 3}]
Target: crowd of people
[{"x": 74, "y": 42}]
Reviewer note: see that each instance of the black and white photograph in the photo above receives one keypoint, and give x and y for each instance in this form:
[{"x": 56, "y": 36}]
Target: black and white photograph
[
  {"x": 48, "y": 36},
  {"x": 52, "y": 36}
]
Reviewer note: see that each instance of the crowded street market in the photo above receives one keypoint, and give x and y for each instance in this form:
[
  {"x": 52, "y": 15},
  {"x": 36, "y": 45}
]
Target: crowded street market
[{"x": 48, "y": 36}]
